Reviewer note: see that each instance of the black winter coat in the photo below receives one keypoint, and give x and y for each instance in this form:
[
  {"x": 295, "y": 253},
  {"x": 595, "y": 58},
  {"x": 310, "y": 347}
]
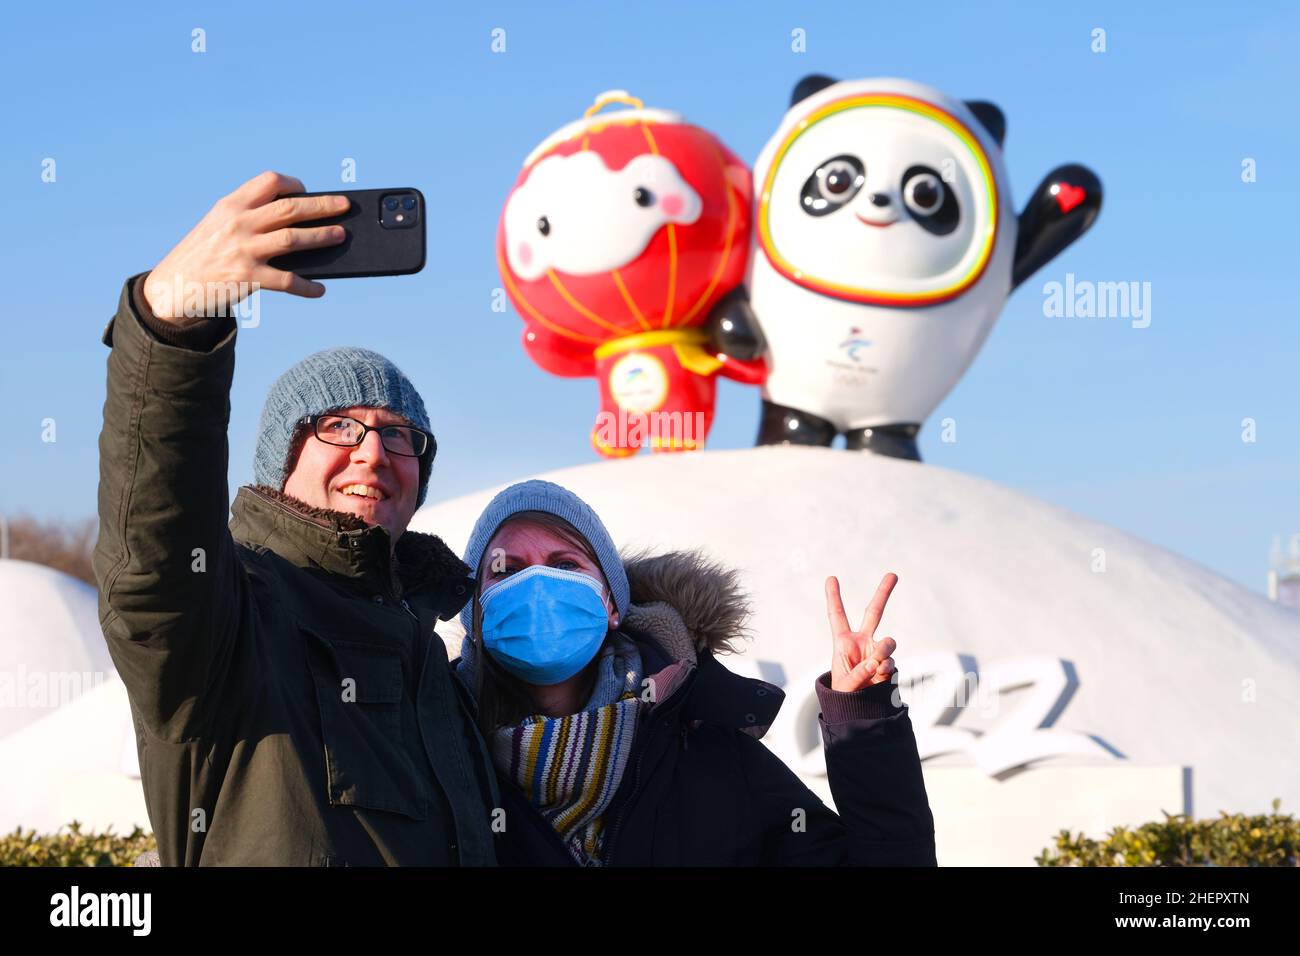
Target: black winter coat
[
  {"x": 250, "y": 752},
  {"x": 701, "y": 790}
]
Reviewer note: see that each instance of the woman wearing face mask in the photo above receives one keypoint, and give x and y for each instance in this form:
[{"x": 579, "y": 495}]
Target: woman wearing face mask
[{"x": 620, "y": 739}]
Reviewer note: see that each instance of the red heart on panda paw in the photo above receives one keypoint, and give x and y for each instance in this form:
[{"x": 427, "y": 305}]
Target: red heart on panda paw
[{"x": 1067, "y": 196}]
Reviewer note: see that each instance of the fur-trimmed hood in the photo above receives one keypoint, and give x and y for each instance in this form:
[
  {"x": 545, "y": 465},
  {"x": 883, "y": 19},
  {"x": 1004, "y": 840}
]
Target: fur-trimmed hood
[
  {"x": 706, "y": 595},
  {"x": 690, "y": 608}
]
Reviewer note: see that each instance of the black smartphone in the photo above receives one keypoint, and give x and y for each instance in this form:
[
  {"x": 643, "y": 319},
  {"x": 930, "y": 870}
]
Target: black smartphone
[{"x": 385, "y": 237}]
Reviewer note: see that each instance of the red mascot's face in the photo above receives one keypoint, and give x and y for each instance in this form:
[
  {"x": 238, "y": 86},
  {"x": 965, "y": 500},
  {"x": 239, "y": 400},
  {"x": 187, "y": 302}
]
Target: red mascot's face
[{"x": 624, "y": 224}]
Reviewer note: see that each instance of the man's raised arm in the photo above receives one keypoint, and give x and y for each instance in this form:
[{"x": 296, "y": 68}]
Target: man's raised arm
[{"x": 172, "y": 594}]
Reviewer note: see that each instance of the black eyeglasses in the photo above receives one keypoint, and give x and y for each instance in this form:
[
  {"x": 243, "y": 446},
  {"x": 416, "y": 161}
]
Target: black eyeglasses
[{"x": 399, "y": 439}]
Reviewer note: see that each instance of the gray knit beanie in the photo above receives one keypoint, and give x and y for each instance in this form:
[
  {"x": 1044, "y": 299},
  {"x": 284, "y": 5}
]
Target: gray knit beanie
[
  {"x": 332, "y": 379},
  {"x": 538, "y": 495}
]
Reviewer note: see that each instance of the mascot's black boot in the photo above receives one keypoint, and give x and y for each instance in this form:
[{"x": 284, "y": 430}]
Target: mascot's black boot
[
  {"x": 896, "y": 441},
  {"x": 789, "y": 426}
]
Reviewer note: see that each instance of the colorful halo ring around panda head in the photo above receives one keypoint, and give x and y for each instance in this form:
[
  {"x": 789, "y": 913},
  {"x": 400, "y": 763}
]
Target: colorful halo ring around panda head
[{"x": 984, "y": 181}]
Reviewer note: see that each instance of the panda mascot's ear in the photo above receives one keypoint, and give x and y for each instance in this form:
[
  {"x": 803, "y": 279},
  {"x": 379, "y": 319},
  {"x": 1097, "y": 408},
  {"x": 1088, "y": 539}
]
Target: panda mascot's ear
[
  {"x": 990, "y": 118},
  {"x": 810, "y": 84}
]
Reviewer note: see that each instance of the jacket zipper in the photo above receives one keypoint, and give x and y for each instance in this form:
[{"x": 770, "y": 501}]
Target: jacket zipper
[
  {"x": 622, "y": 811},
  {"x": 625, "y": 808}
]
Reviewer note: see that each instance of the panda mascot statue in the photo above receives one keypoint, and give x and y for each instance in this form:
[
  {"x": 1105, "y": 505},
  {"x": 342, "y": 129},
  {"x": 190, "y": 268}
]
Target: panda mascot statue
[{"x": 884, "y": 246}]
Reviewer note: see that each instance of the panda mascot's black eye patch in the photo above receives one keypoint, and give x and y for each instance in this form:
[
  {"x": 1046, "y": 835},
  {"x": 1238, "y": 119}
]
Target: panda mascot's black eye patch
[
  {"x": 930, "y": 200},
  {"x": 832, "y": 185}
]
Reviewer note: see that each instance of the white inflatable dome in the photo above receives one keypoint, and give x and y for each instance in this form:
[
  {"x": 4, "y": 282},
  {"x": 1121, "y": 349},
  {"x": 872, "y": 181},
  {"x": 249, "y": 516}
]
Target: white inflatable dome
[
  {"x": 78, "y": 763},
  {"x": 51, "y": 647},
  {"x": 1061, "y": 673}
]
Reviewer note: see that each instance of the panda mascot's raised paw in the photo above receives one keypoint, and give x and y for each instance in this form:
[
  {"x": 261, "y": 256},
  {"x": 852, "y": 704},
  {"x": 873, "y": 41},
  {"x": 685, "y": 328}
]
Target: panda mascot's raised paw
[{"x": 885, "y": 247}]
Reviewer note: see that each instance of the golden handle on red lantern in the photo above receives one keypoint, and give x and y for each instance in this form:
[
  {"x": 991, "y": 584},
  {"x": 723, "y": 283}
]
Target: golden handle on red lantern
[
  {"x": 689, "y": 345},
  {"x": 613, "y": 96}
]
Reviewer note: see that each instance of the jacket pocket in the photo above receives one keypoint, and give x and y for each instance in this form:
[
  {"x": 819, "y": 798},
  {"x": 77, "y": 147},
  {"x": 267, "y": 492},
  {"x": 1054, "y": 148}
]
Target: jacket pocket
[{"x": 359, "y": 692}]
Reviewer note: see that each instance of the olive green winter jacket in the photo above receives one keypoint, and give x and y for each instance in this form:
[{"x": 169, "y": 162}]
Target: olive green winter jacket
[{"x": 292, "y": 703}]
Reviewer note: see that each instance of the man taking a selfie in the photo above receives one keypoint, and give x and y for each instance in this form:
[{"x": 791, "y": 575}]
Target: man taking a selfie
[{"x": 292, "y": 703}]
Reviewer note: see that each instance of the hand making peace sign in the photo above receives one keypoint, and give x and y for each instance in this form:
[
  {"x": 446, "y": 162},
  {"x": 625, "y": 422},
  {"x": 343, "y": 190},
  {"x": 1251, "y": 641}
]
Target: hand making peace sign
[{"x": 857, "y": 658}]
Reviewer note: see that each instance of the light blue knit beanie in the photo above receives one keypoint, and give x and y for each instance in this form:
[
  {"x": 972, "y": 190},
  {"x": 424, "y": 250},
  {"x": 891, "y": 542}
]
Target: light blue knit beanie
[
  {"x": 331, "y": 379},
  {"x": 538, "y": 495}
]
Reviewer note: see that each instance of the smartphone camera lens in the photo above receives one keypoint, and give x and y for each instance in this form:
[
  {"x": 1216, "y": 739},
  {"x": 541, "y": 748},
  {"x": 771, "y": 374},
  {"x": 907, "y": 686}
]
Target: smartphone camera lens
[{"x": 400, "y": 210}]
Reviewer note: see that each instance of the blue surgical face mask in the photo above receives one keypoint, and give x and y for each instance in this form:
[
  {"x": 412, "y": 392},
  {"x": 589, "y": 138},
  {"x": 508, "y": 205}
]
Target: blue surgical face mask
[{"x": 543, "y": 624}]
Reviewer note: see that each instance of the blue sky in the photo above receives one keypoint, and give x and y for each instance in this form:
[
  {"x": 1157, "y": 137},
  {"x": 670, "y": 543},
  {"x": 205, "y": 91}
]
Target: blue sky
[{"x": 1140, "y": 428}]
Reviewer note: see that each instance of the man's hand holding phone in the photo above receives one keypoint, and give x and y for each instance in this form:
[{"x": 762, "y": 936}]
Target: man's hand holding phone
[{"x": 231, "y": 246}]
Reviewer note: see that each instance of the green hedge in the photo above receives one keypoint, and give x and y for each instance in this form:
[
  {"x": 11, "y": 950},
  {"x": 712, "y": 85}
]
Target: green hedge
[
  {"x": 1231, "y": 840},
  {"x": 71, "y": 847}
]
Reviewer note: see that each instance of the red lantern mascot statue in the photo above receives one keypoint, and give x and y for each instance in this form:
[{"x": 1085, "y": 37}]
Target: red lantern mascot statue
[{"x": 621, "y": 245}]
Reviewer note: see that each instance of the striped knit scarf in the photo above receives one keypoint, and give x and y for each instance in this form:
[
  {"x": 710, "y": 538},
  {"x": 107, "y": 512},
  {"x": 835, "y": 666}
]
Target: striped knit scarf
[{"x": 569, "y": 768}]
